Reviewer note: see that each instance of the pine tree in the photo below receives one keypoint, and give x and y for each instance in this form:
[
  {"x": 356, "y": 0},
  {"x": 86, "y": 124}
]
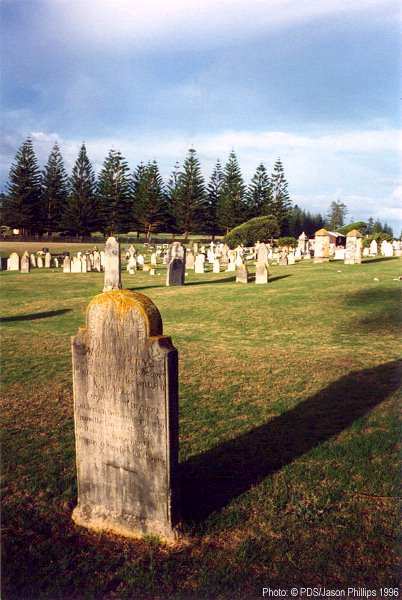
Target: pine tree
[
  {"x": 232, "y": 206},
  {"x": 150, "y": 199},
  {"x": 370, "y": 225},
  {"x": 54, "y": 190},
  {"x": 336, "y": 215},
  {"x": 114, "y": 193},
  {"x": 172, "y": 198},
  {"x": 22, "y": 208},
  {"x": 214, "y": 192},
  {"x": 281, "y": 203},
  {"x": 191, "y": 201},
  {"x": 259, "y": 194},
  {"x": 81, "y": 215}
]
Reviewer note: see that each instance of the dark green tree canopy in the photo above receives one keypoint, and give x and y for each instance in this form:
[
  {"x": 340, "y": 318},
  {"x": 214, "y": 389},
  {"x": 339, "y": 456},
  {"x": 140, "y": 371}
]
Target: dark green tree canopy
[
  {"x": 191, "y": 201},
  {"x": 54, "y": 190},
  {"x": 232, "y": 206},
  {"x": 81, "y": 214},
  {"x": 22, "y": 206},
  {"x": 259, "y": 194},
  {"x": 114, "y": 191},
  {"x": 150, "y": 198},
  {"x": 214, "y": 191},
  {"x": 261, "y": 229},
  {"x": 336, "y": 215},
  {"x": 281, "y": 203}
]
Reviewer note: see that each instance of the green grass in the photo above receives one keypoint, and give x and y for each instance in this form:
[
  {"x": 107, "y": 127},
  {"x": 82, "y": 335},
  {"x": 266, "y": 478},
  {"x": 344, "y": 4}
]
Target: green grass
[{"x": 289, "y": 436}]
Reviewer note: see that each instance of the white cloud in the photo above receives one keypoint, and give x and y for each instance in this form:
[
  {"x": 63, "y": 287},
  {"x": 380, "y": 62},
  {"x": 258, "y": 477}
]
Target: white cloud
[{"x": 150, "y": 23}]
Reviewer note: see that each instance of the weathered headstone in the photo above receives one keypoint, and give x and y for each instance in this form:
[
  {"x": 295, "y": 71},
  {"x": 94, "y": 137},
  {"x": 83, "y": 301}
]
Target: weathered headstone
[
  {"x": 373, "y": 248},
  {"x": 189, "y": 260},
  {"x": 321, "y": 246},
  {"x": 84, "y": 265},
  {"x": 125, "y": 381},
  {"x": 302, "y": 243},
  {"x": 176, "y": 264},
  {"x": 291, "y": 258},
  {"x": 39, "y": 262},
  {"x": 199, "y": 263},
  {"x": 56, "y": 262},
  {"x": 216, "y": 267},
  {"x": 132, "y": 264},
  {"x": 261, "y": 272},
  {"x": 354, "y": 247},
  {"x": 97, "y": 262},
  {"x": 25, "y": 263},
  {"x": 76, "y": 265},
  {"x": 48, "y": 258},
  {"x": 13, "y": 263},
  {"x": 242, "y": 274},
  {"x": 33, "y": 260},
  {"x": 112, "y": 265},
  {"x": 66, "y": 265}
]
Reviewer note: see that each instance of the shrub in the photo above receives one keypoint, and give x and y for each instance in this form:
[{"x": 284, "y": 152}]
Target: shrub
[
  {"x": 359, "y": 225},
  {"x": 258, "y": 229},
  {"x": 286, "y": 241}
]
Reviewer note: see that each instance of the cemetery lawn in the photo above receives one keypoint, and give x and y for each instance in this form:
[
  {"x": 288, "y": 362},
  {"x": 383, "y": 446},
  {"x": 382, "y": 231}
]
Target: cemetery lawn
[{"x": 289, "y": 436}]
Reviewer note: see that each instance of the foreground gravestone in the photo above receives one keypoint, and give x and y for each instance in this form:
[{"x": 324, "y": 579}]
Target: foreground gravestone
[
  {"x": 321, "y": 246},
  {"x": 176, "y": 264},
  {"x": 354, "y": 247},
  {"x": 125, "y": 380},
  {"x": 112, "y": 265}
]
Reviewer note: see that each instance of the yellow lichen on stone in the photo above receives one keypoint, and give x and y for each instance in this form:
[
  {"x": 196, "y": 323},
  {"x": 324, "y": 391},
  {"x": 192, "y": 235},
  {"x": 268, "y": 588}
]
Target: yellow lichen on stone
[
  {"x": 354, "y": 233},
  {"x": 124, "y": 301}
]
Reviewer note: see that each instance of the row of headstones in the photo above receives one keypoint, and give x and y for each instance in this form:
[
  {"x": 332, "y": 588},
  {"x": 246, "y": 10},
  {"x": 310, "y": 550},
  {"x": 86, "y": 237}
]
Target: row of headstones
[
  {"x": 24, "y": 264},
  {"x": 353, "y": 251}
]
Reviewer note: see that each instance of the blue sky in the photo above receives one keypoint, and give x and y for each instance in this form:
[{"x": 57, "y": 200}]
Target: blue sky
[{"x": 315, "y": 82}]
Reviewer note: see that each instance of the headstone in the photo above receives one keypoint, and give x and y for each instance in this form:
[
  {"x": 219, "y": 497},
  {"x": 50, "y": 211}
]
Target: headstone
[
  {"x": 387, "y": 249},
  {"x": 154, "y": 261},
  {"x": 39, "y": 262},
  {"x": 189, "y": 260},
  {"x": 298, "y": 254},
  {"x": 48, "y": 258},
  {"x": 112, "y": 265},
  {"x": 13, "y": 263},
  {"x": 132, "y": 265},
  {"x": 291, "y": 258},
  {"x": 261, "y": 272},
  {"x": 176, "y": 264},
  {"x": 83, "y": 260},
  {"x": 199, "y": 263},
  {"x": 283, "y": 259},
  {"x": 125, "y": 383},
  {"x": 321, "y": 246},
  {"x": 97, "y": 261},
  {"x": 216, "y": 268},
  {"x": 242, "y": 274},
  {"x": 56, "y": 262},
  {"x": 76, "y": 265},
  {"x": 66, "y": 265},
  {"x": 140, "y": 260},
  {"x": 302, "y": 243},
  {"x": 339, "y": 254},
  {"x": 262, "y": 253},
  {"x": 366, "y": 252},
  {"x": 354, "y": 247},
  {"x": 373, "y": 248},
  {"x": 25, "y": 263},
  {"x": 33, "y": 260}
]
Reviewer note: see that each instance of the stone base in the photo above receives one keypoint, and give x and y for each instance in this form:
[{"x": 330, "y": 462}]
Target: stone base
[
  {"x": 97, "y": 519},
  {"x": 320, "y": 260}
]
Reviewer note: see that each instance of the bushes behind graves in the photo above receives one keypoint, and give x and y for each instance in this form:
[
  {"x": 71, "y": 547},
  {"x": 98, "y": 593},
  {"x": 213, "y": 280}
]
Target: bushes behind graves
[
  {"x": 258, "y": 229},
  {"x": 287, "y": 241}
]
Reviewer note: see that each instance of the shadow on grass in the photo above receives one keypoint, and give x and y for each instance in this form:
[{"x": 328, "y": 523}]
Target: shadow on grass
[
  {"x": 188, "y": 283},
  {"x": 370, "y": 261},
  {"x": 277, "y": 277},
  {"x": 212, "y": 479},
  {"x": 34, "y": 316}
]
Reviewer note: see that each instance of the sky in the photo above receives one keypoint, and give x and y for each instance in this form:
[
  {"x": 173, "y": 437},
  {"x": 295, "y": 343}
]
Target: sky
[{"x": 314, "y": 82}]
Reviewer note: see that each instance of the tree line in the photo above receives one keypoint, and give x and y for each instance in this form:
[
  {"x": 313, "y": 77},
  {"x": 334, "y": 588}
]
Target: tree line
[{"x": 119, "y": 201}]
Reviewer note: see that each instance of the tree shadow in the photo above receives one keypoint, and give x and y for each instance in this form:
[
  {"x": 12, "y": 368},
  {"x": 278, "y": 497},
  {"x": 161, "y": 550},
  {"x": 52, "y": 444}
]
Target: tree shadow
[
  {"x": 370, "y": 261},
  {"x": 214, "y": 478},
  {"x": 34, "y": 316}
]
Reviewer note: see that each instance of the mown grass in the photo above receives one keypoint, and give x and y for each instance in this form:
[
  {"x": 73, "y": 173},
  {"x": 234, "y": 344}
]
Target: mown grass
[{"x": 289, "y": 436}]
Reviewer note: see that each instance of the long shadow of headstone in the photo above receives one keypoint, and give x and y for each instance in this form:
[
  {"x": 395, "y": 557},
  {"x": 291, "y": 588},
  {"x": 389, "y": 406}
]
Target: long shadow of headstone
[{"x": 212, "y": 479}]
